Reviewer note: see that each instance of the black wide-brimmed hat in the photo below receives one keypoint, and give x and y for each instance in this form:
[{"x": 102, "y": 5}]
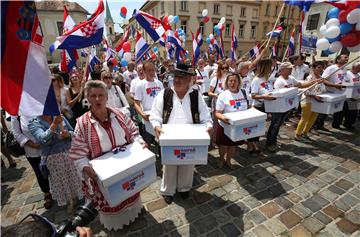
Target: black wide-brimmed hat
[{"x": 183, "y": 69}]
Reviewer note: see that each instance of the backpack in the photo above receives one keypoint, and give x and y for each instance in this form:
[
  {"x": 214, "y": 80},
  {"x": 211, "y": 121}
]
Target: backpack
[{"x": 168, "y": 105}]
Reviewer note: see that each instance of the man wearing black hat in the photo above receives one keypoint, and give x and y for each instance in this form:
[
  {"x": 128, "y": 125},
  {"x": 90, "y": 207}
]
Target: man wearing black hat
[{"x": 178, "y": 177}]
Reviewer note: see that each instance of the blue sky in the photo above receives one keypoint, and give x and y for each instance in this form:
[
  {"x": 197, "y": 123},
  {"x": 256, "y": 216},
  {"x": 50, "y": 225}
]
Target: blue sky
[{"x": 114, "y": 6}]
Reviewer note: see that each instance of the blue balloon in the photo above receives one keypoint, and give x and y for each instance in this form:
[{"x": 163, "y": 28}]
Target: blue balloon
[
  {"x": 124, "y": 63},
  {"x": 116, "y": 69},
  {"x": 208, "y": 40},
  {"x": 181, "y": 33},
  {"x": 216, "y": 28},
  {"x": 327, "y": 52},
  {"x": 176, "y": 19},
  {"x": 333, "y": 39},
  {"x": 155, "y": 49},
  {"x": 345, "y": 28},
  {"x": 334, "y": 13}
]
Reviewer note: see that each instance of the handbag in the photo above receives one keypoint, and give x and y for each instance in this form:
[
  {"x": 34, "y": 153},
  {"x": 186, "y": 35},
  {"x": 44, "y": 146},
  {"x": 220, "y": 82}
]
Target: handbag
[{"x": 12, "y": 145}]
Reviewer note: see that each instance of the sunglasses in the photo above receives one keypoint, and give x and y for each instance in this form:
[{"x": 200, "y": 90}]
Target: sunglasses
[
  {"x": 225, "y": 68},
  {"x": 107, "y": 77}
]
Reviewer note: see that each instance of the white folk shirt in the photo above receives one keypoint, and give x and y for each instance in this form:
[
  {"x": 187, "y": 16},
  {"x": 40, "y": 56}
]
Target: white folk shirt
[
  {"x": 229, "y": 102},
  {"x": 129, "y": 76},
  {"x": 181, "y": 112},
  {"x": 219, "y": 87},
  {"x": 338, "y": 77},
  {"x": 281, "y": 82},
  {"x": 146, "y": 92},
  {"x": 116, "y": 98},
  {"x": 203, "y": 76},
  {"x": 299, "y": 72},
  {"x": 260, "y": 86}
]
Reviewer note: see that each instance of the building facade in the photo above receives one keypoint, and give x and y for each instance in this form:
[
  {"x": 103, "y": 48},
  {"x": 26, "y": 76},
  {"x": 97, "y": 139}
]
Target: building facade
[
  {"x": 252, "y": 20},
  {"x": 51, "y": 15}
]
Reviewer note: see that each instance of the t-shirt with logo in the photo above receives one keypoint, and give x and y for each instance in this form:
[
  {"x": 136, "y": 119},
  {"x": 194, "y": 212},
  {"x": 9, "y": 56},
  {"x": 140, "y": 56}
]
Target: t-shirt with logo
[
  {"x": 351, "y": 77},
  {"x": 146, "y": 91},
  {"x": 281, "y": 82},
  {"x": 338, "y": 77},
  {"x": 260, "y": 86},
  {"x": 220, "y": 84},
  {"x": 205, "y": 79},
  {"x": 231, "y": 102}
]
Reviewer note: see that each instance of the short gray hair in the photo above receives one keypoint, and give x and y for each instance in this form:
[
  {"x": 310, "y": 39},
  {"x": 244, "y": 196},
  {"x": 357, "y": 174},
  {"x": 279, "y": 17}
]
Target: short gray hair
[
  {"x": 94, "y": 84},
  {"x": 243, "y": 64}
]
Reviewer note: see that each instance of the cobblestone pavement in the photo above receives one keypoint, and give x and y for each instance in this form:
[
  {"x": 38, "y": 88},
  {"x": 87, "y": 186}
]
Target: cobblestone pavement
[{"x": 302, "y": 190}]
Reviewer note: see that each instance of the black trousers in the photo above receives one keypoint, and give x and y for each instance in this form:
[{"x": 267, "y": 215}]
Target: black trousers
[
  {"x": 43, "y": 183},
  {"x": 349, "y": 115}
]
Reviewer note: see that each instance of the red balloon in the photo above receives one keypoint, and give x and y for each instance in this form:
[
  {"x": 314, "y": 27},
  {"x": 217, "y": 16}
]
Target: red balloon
[
  {"x": 350, "y": 39},
  {"x": 212, "y": 41},
  {"x": 351, "y": 5},
  {"x": 206, "y": 19},
  {"x": 123, "y": 11},
  {"x": 166, "y": 19},
  {"x": 342, "y": 16},
  {"x": 114, "y": 61},
  {"x": 176, "y": 34},
  {"x": 126, "y": 47},
  {"x": 153, "y": 56}
]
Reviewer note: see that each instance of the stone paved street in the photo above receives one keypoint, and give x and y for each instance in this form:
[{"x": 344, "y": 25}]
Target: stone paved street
[{"x": 302, "y": 190}]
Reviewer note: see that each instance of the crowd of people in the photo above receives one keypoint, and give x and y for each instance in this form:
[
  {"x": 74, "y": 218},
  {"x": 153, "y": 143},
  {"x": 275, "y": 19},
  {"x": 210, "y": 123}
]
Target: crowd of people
[{"x": 110, "y": 109}]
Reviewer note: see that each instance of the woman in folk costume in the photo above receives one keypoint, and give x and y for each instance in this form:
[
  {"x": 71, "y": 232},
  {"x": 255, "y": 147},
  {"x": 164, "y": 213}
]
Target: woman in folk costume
[{"x": 97, "y": 132}]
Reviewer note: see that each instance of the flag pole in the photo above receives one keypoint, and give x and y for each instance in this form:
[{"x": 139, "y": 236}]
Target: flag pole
[
  {"x": 262, "y": 44},
  {"x": 276, "y": 23},
  {"x": 287, "y": 49}
]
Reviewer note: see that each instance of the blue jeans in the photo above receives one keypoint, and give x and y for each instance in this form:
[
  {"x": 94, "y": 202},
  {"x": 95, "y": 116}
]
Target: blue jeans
[{"x": 277, "y": 119}]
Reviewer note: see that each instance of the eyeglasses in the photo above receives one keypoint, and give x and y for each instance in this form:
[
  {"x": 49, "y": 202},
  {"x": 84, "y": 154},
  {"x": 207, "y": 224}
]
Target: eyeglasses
[{"x": 108, "y": 77}]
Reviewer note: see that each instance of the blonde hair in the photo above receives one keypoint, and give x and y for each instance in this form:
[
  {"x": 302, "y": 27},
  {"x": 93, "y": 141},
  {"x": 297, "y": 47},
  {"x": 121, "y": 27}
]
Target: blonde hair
[
  {"x": 263, "y": 68},
  {"x": 60, "y": 80},
  {"x": 227, "y": 80}
]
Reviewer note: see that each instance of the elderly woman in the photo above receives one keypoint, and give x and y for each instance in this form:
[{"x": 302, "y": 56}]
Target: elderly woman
[
  {"x": 233, "y": 99},
  {"x": 116, "y": 98},
  {"x": 54, "y": 136},
  {"x": 99, "y": 131}
]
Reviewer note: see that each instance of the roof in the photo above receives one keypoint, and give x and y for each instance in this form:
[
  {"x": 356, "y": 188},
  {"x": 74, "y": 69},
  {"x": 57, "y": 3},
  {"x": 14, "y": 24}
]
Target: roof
[
  {"x": 108, "y": 17},
  {"x": 59, "y": 6}
]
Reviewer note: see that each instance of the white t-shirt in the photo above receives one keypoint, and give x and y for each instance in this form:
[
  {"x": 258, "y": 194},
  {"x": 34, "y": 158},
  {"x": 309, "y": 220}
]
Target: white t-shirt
[
  {"x": 146, "y": 91},
  {"x": 203, "y": 76},
  {"x": 315, "y": 90},
  {"x": 211, "y": 69},
  {"x": 299, "y": 72},
  {"x": 129, "y": 76},
  {"x": 283, "y": 83},
  {"x": 116, "y": 98},
  {"x": 338, "y": 77},
  {"x": 231, "y": 102},
  {"x": 351, "y": 77},
  {"x": 260, "y": 86},
  {"x": 246, "y": 81},
  {"x": 169, "y": 77},
  {"x": 274, "y": 74},
  {"x": 133, "y": 85},
  {"x": 220, "y": 84}
]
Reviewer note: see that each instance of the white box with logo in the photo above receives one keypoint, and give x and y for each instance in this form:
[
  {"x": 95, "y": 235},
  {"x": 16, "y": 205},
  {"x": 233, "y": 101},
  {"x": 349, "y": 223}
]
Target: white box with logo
[
  {"x": 331, "y": 103},
  {"x": 148, "y": 126},
  {"x": 125, "y": 173},
  {"x": 352, "y": 89},
  {"x": 184, "y": 144},
  {"x": 244, "y": 124},
  {"x": 286, "y": 99}
]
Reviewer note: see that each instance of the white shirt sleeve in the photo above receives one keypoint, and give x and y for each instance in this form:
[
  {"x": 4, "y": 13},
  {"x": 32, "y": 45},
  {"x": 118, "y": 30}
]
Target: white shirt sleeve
[
  {"x": 220, "y": 102},
  {"x": 15, "y": 129},
  {"x": 139, "y": 91},
  {"x": 157, "y": 110},
  {"x": 255, "y": 86},
  {"x": 327, "y": 71},
  {"x": 279, "y": 83},
  {"x": 205, "y": 117}
]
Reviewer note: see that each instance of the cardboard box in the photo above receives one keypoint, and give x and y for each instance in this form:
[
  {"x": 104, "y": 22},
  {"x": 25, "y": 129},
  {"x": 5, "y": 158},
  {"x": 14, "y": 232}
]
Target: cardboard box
[
  {"x": 286, "y": 99},
  {"x": 244, "y": 124},
  {"x": 352, "y": 89},
  {"x": 331, "y": 103},
  {"x": 125, "y": 173},
  {"x": 184, "y": 144},
  {"x": 148, "y": 126}
]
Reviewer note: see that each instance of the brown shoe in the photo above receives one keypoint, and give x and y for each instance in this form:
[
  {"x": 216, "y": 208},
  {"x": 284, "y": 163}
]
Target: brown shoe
[{"x": 48, "y": 201}]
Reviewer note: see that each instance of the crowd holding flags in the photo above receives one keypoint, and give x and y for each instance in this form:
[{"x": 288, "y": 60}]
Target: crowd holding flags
[
  {"x": 197, "y": 42},
  {"x": 141, "y": 47}
]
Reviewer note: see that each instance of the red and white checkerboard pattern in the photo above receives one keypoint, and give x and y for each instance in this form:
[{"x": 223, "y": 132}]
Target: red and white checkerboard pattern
[
  {"x": 89, "y": 29},
  {"x": 65, "y": 31},
  {"x": 155, "y": 24}
]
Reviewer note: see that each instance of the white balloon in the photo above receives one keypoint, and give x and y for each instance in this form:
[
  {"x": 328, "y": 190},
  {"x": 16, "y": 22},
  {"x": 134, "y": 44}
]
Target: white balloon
[
  {"x": 357, "y": 27},
  {"x": 222, "y": 20},
  {"x": 105, "y": 67},
  {"x": 353, "y": 16},
  {"x": 171, "y": 18},
  {"x": 322, "y": 44},
  {"x": 323, "y": 30},
  {"x": 354, "y": 49},
  {"x": 332, "y": 32},
  {"x": 204, "y": 12},
  {"x": 211, "y": 36},
  {"x": 332, "y": 22},
  {"x": 127, "y": 56},
  {"x": 335, "y": 46},
  {"x": 182, "y": 37}
]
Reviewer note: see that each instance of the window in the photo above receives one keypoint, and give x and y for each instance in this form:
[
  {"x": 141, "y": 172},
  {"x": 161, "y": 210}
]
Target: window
[
  {"x": 241, "y": 31},
  {"x": 110, "y": 31},
  {"x": 242, "y": 12},
  {"x": 253, "y": 32},
  {"x": 202, "y": 6},
  {"x": 313, "y": 21},
  {"x": 265, "y": 30},
  {"x": 276, "y": 10},
  {"x": 229, "y": 10},
  {"x": 184, "y": 26},
  {"x": 183, "y": 6},
  {"x": 60, "y": 27},
  {"x": 202, "y": 27},
  {"x": 227, "y": 30},
  {"x": 267, "y": 9},
  {"x": 217, "y": 9},
  {"x": 255, "y": 13},
  {"x": 162, "y": 7}
]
